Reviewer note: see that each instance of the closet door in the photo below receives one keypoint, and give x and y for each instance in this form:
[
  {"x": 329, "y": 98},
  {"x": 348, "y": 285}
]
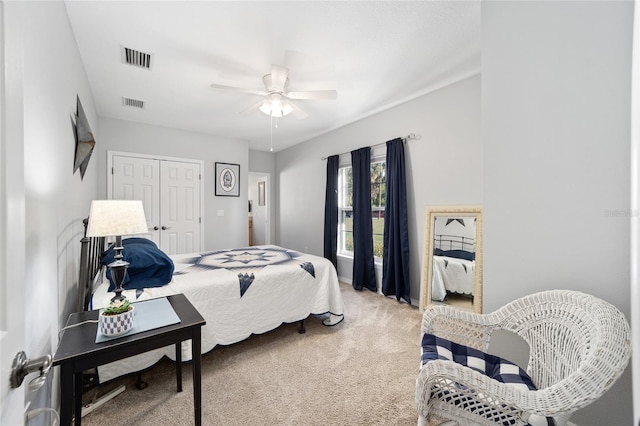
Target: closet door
[
  {"x": 179, "y": 207},
  {"x": 139, "y": 179},
  {"x": 170, "y": 191}
]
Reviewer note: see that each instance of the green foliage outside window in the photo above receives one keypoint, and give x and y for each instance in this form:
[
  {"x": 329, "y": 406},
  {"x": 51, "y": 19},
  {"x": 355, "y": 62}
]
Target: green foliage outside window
[{"x": 378, "y": 200}]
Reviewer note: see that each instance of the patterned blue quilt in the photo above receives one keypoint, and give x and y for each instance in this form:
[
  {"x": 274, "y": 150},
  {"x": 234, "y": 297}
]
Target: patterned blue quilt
[{"x": 246, "y": 262}]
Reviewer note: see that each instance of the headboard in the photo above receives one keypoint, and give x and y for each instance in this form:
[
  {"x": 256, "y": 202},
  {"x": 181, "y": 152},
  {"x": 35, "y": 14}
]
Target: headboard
[
  {"x": 454, "y": 242},
  {"x": 90, "y": 268}
]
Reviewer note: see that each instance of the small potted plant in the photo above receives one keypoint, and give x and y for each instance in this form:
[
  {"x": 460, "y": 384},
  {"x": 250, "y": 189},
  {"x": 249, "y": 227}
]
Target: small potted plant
[{"x": 117, "y": 318}]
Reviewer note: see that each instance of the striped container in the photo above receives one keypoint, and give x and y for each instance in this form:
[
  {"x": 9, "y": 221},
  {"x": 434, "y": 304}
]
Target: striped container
[{"x": 115, "y": 325}]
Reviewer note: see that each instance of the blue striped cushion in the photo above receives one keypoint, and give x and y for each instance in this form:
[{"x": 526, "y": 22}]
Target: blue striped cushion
[
  {"x": 500, "y": 369},
  {"x": 434, "y": 347}
]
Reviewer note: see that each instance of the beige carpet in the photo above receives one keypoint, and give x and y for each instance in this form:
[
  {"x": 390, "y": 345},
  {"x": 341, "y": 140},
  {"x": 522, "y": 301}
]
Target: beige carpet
[{"x": 360, "y": 372}]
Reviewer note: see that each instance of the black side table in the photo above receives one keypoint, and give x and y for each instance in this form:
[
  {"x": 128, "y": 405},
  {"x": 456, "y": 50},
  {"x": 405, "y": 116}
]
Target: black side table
[{"x": 78, "y": 351}]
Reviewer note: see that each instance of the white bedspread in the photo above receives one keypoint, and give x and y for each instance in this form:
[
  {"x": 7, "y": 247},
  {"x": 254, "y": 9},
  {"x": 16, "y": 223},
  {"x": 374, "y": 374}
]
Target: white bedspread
[
  {"x": 453, "y": 275},
  {"x": 282, "y": 291}
]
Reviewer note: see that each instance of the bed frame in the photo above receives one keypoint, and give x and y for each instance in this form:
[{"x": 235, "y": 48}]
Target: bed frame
[
  {"x": 90, "y": 275},
  {"x": 90, "y": 267},
  {"x": 454, "y": 242}
]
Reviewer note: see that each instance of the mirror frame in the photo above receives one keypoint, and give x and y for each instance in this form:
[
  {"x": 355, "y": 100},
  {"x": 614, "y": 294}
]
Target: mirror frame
[{"x": 427, "y": 268}]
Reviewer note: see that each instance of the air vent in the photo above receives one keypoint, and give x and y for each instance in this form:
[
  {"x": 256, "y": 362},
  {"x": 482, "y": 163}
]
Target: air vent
[
  {"x": 136, "y": 58},
  {"x": 135, "y": 103}
]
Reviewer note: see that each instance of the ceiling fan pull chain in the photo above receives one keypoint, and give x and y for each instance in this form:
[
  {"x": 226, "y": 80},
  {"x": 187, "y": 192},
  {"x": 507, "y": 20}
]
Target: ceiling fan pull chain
[{"x": 271, "y": 130}]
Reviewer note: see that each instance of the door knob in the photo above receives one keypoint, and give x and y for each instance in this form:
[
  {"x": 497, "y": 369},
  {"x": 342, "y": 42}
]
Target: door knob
[
  {"x": 164, "y": 228},
  {"x": 155, "y": 228},
  {"x": 22, "y": 366}
]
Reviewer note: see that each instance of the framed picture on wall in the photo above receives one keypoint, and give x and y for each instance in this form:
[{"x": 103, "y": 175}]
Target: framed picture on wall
[{"x": 227, "y": 179}]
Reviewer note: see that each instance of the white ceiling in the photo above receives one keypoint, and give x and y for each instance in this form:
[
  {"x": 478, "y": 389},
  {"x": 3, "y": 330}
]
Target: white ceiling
[{"x": 375, "y": 54}]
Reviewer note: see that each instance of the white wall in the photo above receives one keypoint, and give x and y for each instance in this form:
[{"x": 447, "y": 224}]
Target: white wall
[
  {"x": 555, "y": 117},
  {"x": 444, "y": 167},
  {"x": 228, "y": 230},
  {"x": 635, "y": 218},
  {"x": 56, "y": 198},
  {"x": 262, "y": 161}
]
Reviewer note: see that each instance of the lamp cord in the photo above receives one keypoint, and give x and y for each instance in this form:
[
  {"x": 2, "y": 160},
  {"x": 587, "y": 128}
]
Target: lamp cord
[{"x": 75, "y": 325}]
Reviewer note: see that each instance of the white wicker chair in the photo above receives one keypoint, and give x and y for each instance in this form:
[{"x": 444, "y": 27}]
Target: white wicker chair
[{"x": 579, "y": 346}]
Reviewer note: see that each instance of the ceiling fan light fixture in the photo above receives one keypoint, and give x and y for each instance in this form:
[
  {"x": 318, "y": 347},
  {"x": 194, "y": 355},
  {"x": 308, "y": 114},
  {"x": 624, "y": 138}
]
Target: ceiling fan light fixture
[
  {"x": 266, "y": 107},
  {"x": 276, "y": 107}
]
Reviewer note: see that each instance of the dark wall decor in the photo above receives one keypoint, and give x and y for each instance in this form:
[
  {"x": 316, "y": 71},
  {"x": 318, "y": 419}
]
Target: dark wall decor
[
  {"x": 227, "y": 179},
  {"x": 85, "y": 141}
]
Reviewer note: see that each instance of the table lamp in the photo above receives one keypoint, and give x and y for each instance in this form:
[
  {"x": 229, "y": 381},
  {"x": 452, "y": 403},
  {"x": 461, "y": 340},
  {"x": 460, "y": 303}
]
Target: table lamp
[{"x": 115, "y": 218}]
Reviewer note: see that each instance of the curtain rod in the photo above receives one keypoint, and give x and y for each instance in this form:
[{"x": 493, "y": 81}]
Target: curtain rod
[{"x": 410, "y": 136}]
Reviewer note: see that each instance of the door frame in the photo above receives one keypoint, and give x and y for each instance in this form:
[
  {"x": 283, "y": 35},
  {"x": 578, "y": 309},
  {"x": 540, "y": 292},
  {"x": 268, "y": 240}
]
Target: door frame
[
  {"x": 268, "y": 204},
  {"x": 634, "y": 211},
  {"x": 111, "y": 154}
]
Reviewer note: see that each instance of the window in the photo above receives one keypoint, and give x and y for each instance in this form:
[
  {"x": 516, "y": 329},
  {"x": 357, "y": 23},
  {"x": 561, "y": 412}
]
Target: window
[{"x": 345, "y": 208}]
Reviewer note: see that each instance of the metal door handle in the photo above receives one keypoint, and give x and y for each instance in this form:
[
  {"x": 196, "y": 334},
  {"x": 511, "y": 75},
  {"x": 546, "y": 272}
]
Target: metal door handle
[
  {"x": 164, "y": 228},
  {"x": 155, "y": 228},
  {"x": 22, "y": 366}
]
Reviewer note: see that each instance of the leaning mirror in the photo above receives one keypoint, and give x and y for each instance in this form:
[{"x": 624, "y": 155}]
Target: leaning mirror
[{"x": 452, "y": 264}]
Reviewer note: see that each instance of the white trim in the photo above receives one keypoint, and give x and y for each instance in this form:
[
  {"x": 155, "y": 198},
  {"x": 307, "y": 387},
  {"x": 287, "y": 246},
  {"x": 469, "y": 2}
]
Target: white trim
[{"x": 267, "y": 202}]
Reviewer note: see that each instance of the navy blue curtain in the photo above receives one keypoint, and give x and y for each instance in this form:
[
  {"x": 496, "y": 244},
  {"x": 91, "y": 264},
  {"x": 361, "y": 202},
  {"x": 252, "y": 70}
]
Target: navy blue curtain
[
  {"x": 395, "y": 255},
  {"x": 331, "y": 211},
  {"x": 364, "y": 273}
]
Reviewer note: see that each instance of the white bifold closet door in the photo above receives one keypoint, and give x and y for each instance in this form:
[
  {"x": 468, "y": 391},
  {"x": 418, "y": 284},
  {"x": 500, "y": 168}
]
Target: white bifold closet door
[{"x": 170, "y": 194}]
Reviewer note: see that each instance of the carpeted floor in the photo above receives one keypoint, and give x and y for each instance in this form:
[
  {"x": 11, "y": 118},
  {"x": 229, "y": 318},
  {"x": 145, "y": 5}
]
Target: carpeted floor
[{"x": 360, "y": 372}]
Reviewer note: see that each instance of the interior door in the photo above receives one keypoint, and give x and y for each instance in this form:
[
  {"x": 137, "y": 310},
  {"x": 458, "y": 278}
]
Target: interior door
[
  {"x": 139, "y": 179},
  {"x": 12, "y": 217},
  {"x": 179, "y": 207}
]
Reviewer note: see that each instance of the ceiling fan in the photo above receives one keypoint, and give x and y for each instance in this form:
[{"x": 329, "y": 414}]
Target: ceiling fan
[{"x": 277, "y": 98}]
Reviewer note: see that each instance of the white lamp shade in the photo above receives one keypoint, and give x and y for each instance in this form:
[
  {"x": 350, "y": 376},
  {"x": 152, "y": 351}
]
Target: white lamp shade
[{"x": 116, "y": 218}]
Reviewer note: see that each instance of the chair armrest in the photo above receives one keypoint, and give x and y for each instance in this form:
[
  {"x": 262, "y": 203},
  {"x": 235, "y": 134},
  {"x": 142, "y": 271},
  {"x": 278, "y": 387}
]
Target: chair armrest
[
  {"x": 473, "y": 387},
  {"x": 460, "y": 326}
]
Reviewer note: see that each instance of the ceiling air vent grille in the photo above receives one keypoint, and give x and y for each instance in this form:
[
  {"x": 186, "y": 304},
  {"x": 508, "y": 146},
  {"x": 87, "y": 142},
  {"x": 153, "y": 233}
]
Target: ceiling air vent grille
[
  {"x": 136, "y": 58},
  {"x": 135, "y": 103}
]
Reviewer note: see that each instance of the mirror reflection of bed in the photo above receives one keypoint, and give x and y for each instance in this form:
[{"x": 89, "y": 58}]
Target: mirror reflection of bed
[{"x": 452, "y": 264}]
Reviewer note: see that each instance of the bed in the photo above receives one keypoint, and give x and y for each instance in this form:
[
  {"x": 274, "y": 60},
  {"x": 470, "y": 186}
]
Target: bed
[
  {"x": 239, "y": 292},
  {"x": 453, "y": 266}
]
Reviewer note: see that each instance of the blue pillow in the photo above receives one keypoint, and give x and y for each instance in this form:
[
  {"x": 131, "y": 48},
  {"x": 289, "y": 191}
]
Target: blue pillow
[
  {"x": 458, "y": 254},
  {"x": 148, "y": 265}
]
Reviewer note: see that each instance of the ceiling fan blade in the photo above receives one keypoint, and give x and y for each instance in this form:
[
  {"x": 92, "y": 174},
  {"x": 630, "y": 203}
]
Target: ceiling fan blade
[
  {"x": 298, "y": 112},
  {"x": 313, "y": 94},
  {"x": 252, "y": 108},
  {"x": 231, "y": 89},
  {"x": 279, "y": 77}
]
